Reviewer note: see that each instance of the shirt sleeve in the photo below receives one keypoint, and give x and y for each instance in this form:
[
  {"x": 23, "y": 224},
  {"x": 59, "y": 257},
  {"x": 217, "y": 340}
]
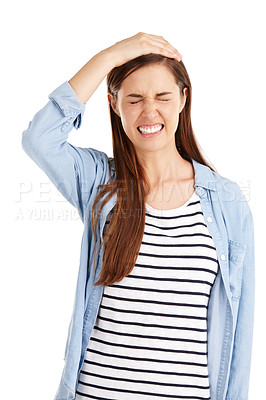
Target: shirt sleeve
[
  {"x": 238, "y": 386},
  {"x": 73, "y": 170}
]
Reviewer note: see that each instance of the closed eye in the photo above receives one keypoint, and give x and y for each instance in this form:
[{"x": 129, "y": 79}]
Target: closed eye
[{"x": 135, "y": 102}]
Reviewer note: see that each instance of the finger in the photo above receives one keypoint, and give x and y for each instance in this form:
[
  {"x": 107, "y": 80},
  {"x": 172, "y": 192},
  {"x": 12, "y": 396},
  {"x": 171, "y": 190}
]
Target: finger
[
  {"x": 169, "y": 53},
  {"x": 159, "y": 49},
  {"x": 164, "y": 41},
  {"x": 165, "y": 44},
  {"x": 166, "y": 50}
]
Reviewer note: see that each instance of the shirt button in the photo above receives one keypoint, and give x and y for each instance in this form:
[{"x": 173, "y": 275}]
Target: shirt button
[
  {"x": 209, "y": 219},
  {"x": 222, "y": 257}
]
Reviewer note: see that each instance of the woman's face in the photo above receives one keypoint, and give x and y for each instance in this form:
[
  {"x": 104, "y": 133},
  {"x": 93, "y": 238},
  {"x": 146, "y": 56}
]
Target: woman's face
[{"x": 149, "y": 103}]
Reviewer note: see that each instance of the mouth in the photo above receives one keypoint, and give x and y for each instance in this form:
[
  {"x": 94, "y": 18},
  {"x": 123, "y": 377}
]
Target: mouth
[{"x": 150, "y": 130}]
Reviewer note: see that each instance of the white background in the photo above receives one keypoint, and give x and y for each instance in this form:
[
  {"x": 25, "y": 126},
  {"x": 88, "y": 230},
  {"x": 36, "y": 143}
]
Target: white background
[{"x": 45, "y": 44}]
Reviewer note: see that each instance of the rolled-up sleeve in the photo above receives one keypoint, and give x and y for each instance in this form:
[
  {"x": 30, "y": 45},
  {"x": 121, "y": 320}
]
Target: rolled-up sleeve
[{"x": 73, "y": 170}]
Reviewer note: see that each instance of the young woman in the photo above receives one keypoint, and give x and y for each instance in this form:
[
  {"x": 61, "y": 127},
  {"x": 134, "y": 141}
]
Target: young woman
[{"x": 164, "y": 301}]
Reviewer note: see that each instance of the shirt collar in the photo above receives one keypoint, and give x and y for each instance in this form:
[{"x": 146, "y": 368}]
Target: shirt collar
[{"x": 204, "y": 176}]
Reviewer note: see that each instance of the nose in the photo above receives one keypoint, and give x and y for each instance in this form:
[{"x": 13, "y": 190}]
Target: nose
[{"x": 149, "y": 109}]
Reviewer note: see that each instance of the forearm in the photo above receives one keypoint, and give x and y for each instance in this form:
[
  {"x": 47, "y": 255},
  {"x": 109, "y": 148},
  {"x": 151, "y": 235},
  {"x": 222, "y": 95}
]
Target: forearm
[
  {"x": 73, "y": 170},
  {"x": 89, "y": 77}
]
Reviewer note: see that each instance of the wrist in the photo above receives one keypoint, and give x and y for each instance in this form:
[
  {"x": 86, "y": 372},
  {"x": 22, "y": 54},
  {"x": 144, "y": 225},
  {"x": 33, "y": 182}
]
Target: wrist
[{"x": 109, "y": 57}]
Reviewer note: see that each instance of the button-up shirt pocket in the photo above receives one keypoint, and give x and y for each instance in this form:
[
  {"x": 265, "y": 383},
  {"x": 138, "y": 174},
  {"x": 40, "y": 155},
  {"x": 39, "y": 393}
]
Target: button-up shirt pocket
[{"x": 236, "y": 253}]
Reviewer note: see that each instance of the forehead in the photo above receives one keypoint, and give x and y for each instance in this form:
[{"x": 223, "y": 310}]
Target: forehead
[{"x": 153, "y": 78}]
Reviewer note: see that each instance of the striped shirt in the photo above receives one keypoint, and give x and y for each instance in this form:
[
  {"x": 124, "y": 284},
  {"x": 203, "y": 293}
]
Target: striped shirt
[{"x": 149, "y": 341}]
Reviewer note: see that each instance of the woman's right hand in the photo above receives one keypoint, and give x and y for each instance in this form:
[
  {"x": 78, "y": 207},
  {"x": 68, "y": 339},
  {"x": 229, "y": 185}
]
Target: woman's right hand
[
  {"x": 140, "y": 44},
  {"x": 88, "y": 78}
]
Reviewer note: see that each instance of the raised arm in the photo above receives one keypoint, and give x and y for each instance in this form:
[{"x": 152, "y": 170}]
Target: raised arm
[
  {"x": 74, "y": 170},
  {"x": 115, "y": 55}
]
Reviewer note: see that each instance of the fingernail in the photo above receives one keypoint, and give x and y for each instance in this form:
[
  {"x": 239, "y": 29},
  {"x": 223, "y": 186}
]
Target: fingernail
[{"x": 176, "y": 55}]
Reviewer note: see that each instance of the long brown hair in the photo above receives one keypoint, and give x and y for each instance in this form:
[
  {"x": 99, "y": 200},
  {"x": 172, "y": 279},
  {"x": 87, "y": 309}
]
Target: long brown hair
[{"x": 125, "y": 230}]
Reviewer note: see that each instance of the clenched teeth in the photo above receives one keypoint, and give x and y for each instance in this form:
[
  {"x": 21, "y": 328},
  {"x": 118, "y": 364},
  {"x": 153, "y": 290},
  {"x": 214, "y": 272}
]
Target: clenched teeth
[{"x": 153, "y": 129}]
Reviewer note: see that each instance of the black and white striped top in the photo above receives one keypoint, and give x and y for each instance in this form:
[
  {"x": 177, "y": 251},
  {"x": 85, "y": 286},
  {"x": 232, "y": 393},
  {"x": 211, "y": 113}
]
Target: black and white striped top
[{"x": 149, "y": 341}]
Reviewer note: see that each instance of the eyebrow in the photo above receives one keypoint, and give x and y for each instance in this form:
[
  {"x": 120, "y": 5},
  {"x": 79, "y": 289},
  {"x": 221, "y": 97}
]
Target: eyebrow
[{"x": 157, "y": 95}]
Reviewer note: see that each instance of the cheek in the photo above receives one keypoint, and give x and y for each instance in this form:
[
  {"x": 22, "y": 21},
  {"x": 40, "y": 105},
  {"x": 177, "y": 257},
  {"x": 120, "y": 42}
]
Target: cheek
[
  {"x": 171, "y": 117},
  {"x": 171, "y": 114},
  {"x": 127, "y": 121},
  {"x": 128, "y": 117}
]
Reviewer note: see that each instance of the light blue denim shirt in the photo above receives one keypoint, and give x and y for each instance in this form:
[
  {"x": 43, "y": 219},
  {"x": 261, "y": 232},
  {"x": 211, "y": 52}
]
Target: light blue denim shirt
[{"x": 77, "y": 172}]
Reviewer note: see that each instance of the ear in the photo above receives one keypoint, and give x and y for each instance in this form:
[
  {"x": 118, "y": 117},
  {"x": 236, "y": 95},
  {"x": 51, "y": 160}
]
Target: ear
[
  {"x": 183, "y": 99},
  {"x": 113, "y": 103}
]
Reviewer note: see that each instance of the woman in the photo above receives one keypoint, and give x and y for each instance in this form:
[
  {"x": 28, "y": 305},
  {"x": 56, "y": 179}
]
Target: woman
[{"x": 164, "y": 301}]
